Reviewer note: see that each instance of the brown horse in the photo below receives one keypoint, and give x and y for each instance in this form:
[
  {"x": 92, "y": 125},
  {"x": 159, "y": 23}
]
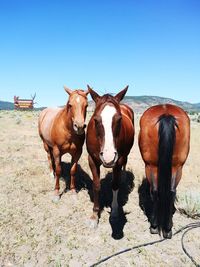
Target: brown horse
[
  {"x": 110, "y": 136},
  {"x": 62, "y": 131},
  {"x": 164, "y": 145}
]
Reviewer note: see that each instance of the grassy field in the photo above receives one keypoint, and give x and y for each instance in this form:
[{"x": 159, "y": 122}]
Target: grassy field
[{"x": 34, "y": 231}]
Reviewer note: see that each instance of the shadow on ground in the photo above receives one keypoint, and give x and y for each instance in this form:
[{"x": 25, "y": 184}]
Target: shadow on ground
[
  {"x": 83, "y": 181},
  {"x": 126, "y": 186},
  {"x": 145, "y": 201}
]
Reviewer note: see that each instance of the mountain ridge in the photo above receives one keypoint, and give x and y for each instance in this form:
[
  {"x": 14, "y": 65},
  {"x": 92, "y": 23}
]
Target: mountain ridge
[
  {"x": 141, "y": 103},
  {"x": 138, "y": 103}
]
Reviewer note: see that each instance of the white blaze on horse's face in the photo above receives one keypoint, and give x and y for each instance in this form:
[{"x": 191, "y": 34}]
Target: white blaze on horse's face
[
  {"x": 108, "y": 152},
  {"x": 78, "y": 99},
  {"x": 78, "y": 109}
]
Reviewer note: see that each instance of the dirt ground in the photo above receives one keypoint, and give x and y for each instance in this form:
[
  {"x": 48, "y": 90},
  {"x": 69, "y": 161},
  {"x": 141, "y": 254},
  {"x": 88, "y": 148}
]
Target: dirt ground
[{"x": 34, "y": 231}]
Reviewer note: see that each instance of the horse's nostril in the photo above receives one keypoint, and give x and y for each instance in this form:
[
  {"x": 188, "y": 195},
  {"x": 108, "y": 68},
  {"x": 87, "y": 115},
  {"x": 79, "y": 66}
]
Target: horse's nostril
[
  {"x": 84, "y": 126},
  {"x": 101, "y": 153}
]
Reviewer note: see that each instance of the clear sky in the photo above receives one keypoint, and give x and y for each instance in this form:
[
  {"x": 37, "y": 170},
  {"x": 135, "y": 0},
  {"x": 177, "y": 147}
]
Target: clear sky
[{"x": 153, "y": 46}]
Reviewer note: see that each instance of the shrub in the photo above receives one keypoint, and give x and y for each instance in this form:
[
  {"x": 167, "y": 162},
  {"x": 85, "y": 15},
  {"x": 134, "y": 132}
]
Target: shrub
[{"x": 189, "y": 204}]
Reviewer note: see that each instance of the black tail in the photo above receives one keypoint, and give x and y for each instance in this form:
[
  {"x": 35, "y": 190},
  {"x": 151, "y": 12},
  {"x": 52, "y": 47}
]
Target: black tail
[{"x": 167, "y": 136}]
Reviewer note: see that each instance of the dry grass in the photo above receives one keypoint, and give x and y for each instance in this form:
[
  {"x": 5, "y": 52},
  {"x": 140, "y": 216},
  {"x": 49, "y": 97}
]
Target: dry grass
[{"x": 36, "y": 232}]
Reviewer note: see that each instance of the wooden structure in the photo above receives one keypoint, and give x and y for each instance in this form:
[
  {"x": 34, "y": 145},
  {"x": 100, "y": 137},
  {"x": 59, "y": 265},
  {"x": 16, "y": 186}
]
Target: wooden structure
[{"x": 20, "y": 103}]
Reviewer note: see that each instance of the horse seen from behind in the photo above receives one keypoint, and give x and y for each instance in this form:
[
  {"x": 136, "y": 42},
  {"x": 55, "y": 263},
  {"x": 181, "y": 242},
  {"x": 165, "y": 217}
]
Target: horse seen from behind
[
  {"x": 62, "y": 130},
  {"x": 164, "y": 145},
  {"x": 109, "y": 139}
]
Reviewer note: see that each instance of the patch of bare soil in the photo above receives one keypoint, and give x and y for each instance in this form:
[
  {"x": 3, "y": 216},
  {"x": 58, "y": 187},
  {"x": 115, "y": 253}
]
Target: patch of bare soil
[{"x": 34, "y": 231}]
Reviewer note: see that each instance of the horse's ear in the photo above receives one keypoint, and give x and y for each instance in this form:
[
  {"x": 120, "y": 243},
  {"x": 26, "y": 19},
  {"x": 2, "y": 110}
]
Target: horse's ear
[
  {"x": 86, "y": 92},
  {"x": 121, "y": 94},
  {"x": 93, "y": 94},
  {"x": 69, "y": 91}
]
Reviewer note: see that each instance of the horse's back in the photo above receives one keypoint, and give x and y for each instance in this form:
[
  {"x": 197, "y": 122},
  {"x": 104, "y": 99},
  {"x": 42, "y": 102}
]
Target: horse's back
[
  {"x": 149, "y": 132},
  {"x": 46, "y": 120}
]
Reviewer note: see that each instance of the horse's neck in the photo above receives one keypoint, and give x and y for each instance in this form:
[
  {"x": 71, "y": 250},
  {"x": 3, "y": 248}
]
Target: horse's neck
[{"x": 66, "y": 119}]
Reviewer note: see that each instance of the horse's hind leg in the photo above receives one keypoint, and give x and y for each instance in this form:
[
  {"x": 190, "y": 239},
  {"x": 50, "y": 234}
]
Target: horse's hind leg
[
  {"x": 154, "y": 215},
  {"x": 51, "y": 163},
  {"x": 50, "y": 158},
  {"x": 167, "y": 229},
  {"x": 151, "y": 174},
  {"x": 176, "y": 176},
  {"x": 57, "y": 160}
]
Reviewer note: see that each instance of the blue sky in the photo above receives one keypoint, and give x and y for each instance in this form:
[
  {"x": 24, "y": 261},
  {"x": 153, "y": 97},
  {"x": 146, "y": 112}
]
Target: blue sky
[{"x": 153, "y": 46}]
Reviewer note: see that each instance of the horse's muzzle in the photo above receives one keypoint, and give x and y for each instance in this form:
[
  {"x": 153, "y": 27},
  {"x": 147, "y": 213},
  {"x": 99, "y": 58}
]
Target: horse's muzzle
[
  {"x": 79, "y": 129},
  {"x": 111, "y": 163}
]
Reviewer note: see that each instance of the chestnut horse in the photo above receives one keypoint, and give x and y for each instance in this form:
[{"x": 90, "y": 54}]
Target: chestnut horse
[
  {"x": 109, "y": 139},
  {"x": 62, "y": 131},
  {"x": 164, "y": 145}
]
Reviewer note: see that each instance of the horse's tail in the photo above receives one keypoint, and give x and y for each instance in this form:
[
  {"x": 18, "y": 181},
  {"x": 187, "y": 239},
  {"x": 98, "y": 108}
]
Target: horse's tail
[{"x": 167, "y": 138}]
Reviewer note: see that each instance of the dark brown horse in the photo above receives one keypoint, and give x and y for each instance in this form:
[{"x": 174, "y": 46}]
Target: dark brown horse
[
  {"x": 164, "y": 145},
  {"x": 62, "y": 131},
  {"x": 110, "y": 136}
]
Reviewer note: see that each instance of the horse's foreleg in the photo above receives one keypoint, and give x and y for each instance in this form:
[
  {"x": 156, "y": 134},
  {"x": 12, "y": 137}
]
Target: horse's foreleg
[
  {"x": 74, "y": 165},
  {"x": 57, "y": 160},
  {"x": 72, "y": 175},
  {"x": 95, "y": 169}
]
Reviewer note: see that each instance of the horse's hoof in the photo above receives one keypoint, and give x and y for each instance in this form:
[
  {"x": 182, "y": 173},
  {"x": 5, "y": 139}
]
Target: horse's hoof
[
  {"x": 52, "y": 175},
  {"x": 154, "y": 230},
  {"x": 167, "y": 234},
  {"x": 73, "y": 191},
  {"x": 92, "y": 223},
  {"x": 55, "y": 199}
]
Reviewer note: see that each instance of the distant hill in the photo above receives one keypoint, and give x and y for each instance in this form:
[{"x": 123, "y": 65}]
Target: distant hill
[
  {"x": 138, "y": 103},
  {"x": 6, "y": 105},
  {"x": 141, "y": 103}
]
